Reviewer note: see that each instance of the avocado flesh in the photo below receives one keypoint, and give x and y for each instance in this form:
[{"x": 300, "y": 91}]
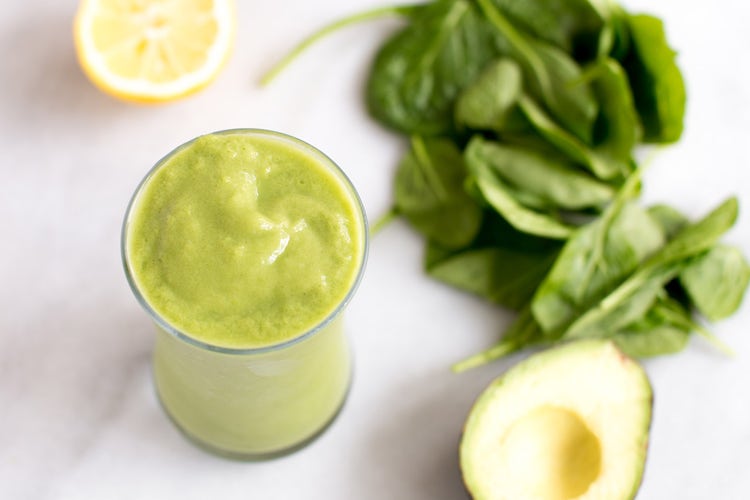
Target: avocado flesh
[{"x": 568, "y": 423}]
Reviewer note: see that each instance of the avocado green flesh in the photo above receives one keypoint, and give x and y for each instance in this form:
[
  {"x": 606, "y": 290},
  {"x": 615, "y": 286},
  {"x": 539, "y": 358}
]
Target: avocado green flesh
[
  {"x": 568, "y": 423},
  {"x": 244, "y": 241}
]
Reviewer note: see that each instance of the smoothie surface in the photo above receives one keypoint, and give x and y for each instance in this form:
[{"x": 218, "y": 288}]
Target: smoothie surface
[{"x": 244, "y": 241}]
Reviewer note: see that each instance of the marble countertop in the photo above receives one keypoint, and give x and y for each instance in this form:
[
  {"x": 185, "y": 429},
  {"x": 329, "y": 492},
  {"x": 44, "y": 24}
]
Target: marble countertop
[{"x": 78, "y": 416}]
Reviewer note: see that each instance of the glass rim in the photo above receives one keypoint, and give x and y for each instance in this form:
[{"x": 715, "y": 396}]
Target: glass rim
[{"x": 330, "y": 317}]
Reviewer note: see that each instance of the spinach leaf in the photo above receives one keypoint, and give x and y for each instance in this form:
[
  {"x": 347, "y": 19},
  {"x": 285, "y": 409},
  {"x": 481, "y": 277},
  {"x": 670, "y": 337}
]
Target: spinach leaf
[
  {"x": 571, "y": 25},
  {"x": 656, "y": 80},
  {"x": 552, "y": 74},
  {"x": 670, "y": 219},
  {"x": 633, "y": 296},
  {"x": 497, "y": 232},
  {"x": 617, "y": 128},
  {"x": 698, "y": 237},
  {"x": 614, "y": 37},
  {"x": 566, "y": 142},
  {"x": 595, "y": 259},
  {"x": 429, "y": 193},
  {"x": 617, "y": 310},
  {"x": 418, "y": 73},
  {"x": 657, "y": 333},
  {"x": 716, "y": 281},
  {"x": 652, "y": 337},
  {"x": 489, "y": 103},
  {"x": 502, "y": 275},
  {"x": 501, "y": 198},
  {"x": 499, "y": 195},
  {"x": 552, "y": 180}
]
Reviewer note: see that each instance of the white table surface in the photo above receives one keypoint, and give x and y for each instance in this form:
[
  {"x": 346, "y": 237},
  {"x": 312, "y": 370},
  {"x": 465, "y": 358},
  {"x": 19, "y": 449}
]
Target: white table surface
[{"x": 78, "y": 416}]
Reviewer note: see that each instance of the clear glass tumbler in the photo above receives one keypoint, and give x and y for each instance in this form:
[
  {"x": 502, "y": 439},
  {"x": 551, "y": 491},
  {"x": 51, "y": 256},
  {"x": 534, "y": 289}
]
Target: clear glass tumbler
[{"x": 259, "y": 402}]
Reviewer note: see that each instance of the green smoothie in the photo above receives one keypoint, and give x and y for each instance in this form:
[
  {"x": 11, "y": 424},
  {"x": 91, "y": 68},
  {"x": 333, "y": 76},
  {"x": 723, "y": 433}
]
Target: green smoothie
[{"x": 245, "y": 246}]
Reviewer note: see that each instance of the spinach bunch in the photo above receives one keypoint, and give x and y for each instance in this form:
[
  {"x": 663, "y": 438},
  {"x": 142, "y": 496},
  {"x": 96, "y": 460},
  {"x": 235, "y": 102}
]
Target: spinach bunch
[{"x": 522, "y": 120}]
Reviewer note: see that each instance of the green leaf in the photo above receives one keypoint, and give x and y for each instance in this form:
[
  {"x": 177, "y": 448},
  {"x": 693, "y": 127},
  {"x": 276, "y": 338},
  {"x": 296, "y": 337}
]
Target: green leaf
[
  {"x": 595, "y": 259},
  {"x": 716, "y": 281},
  {"x": 566, "y": 142},
  {"x": 429, "y": 193},
  {"x": 571, "y": 25},
  {"x": 489, "y": 103},
  {"x": 552, "y": 74},
  {"x": 671, "y": 220},
  {"x": 499, "y": 195},
  {"x": 649, "y": 340},
  {"x": 419, "y": 72},
  {"x": 502, "y": 275},
  {"x": 656, "y": 80},
  {"x": 698, "y": 237},
  {"x": 615, "y": 311},
  {"x": 633, "y": 296},
  {"x": 655, "y": 334},
  {"x": 552, "y": 180},
  {"x": 498, "y": 232},
  {"x": 501, "y": 198},
  {"x": 617, "y": 129},
  {"x": 614, "y": 38}
]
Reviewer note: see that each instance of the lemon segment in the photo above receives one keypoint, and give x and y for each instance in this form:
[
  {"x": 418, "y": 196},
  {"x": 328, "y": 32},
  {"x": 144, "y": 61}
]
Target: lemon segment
[{"x": 153, "y": 50}]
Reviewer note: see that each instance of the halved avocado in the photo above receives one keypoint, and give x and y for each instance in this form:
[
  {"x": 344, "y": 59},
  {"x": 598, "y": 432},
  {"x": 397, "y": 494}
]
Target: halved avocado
[{"x": 571, "y": 422}]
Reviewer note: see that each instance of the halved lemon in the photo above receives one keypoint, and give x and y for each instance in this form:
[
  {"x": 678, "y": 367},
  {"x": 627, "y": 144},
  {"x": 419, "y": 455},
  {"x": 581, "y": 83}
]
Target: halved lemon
[{"x": 153, "y": 50}]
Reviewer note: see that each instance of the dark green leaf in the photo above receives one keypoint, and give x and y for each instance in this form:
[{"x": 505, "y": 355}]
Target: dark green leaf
[
  {"x": 595, "y": 259},
  {"x": 569, "y": 24},
  {"x": 656, "y": 80},
  {"x": 429, "y": 193},
  {"x": 552, "y": 74},
  {"x": 617, "y": 310},
  {"x": 566, "y": 142},
  {"x": 499, "y": 196},
  {"x": 614, "y": 38},
  {"x": 633, "y": 296},
  {"x": 716, "y": 281},
  {"x": 496, "y": 231},
  {"x": 552, "y": 180},
  {"x": 501, "y": 275},
  {"x": 618, "y": 128},
  {"x": 418, "y": 73},
  {"x": 489, "y": 103}
]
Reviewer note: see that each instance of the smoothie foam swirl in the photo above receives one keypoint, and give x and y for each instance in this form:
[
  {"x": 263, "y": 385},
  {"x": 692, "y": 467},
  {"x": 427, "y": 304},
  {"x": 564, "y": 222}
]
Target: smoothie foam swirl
[{"x": 243, "y": 241}]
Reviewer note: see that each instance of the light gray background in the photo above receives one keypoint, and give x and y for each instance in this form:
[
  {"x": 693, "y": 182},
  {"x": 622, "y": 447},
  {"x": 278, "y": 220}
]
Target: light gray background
[{"x": 78, "y": 418}]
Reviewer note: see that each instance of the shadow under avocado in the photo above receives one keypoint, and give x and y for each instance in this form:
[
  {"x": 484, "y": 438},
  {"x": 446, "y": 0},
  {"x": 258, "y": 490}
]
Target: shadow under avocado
[{"x": 415, "y": 451}]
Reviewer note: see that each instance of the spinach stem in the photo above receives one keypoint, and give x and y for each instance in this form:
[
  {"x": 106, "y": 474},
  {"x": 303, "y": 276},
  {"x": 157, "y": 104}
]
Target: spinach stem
[
  {"x": 714, "y": 340},
  {"x": 384, "y": 220},
  {"x": 399, "y": 10},
  {"x": 495, "y": 352},
  {"x": 516, "y": 40}
]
